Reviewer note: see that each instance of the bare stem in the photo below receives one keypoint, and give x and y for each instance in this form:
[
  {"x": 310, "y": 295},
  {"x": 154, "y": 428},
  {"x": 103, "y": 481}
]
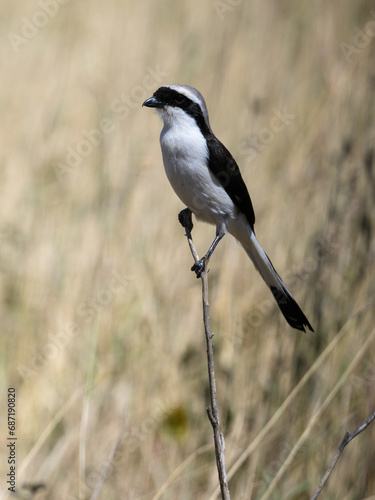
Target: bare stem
[
  {"x": 346, "y": 440},
  {"x": 213, "y": 410}
]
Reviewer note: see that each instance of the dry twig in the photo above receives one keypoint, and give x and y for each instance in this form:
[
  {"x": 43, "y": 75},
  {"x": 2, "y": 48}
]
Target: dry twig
[
  {"x": 346, "y": 440},
  {"x": 213, "y": 410}
]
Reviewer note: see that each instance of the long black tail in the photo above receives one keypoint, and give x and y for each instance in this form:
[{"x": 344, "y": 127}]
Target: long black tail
[
  {"x": 288, "y": 306},
  {"x": 290, "y": 309}
]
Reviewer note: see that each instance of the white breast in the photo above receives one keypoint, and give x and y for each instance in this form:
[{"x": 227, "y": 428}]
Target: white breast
[{"x": 185, "y": 155}]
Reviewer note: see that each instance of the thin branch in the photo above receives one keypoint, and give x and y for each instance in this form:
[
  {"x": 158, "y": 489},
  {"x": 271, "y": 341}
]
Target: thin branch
[
  {"x": 318, "y": 413},
  {"x": 346, "y": 440},
  {"x": 212, "y": 411}
]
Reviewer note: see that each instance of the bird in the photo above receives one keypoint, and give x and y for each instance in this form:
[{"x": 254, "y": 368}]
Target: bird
[{"x": 207, "y": 179}]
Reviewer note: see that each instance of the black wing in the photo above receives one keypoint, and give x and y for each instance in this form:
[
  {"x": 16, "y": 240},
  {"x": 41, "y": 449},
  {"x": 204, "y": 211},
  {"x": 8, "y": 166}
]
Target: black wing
[
  {"x": 221, "y": 162},
  {"x": 224, "y": 167}
]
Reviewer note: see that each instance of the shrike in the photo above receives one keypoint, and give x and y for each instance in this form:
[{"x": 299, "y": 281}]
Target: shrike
[{"x": 208, "y": 181}]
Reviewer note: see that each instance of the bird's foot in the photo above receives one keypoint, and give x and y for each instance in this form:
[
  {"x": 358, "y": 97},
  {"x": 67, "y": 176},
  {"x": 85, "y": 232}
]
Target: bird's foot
[{"x": 199, "y": 266}]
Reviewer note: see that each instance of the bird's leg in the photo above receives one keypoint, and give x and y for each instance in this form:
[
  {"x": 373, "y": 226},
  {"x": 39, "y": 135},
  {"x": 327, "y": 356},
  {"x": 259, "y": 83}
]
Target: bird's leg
[{"x": 199, "y": 266}]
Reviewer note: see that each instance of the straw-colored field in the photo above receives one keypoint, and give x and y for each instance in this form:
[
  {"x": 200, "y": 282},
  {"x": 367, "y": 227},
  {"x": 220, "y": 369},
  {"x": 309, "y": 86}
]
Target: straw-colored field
[{"x": 102, "y": 334}]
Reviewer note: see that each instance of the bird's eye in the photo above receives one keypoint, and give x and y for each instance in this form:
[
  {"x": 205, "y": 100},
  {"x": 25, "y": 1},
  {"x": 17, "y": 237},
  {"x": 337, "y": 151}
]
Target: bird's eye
[{"x": 180, "y": 99}]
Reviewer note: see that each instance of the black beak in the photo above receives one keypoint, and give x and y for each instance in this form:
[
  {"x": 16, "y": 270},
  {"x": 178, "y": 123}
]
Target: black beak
[{"x": 153, "y": 102}]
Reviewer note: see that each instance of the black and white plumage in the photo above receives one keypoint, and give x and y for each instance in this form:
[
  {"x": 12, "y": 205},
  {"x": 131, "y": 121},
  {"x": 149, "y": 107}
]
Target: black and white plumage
[{"x": 208, "y": 181}]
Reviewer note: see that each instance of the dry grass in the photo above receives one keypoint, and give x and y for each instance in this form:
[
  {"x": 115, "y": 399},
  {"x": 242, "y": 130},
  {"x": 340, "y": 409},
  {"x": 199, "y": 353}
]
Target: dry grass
[{"x": 90, "y": 354}]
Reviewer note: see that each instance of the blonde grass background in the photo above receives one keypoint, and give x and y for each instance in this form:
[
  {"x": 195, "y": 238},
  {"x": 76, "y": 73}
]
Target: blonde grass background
[{"x": 102, "y": 331}]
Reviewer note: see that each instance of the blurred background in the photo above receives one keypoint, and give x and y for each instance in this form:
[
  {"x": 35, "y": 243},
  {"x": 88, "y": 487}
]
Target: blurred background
[{"x": 102, "y": 333}]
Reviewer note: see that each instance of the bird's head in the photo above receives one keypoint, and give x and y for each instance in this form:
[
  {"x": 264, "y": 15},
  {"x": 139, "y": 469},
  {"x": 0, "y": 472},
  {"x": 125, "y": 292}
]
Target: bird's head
[{"x": 176, "y": 102}]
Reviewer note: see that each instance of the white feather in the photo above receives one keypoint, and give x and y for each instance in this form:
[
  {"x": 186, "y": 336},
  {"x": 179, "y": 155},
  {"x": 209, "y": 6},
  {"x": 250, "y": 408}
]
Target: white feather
[{"x": 185, "y": 158}]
